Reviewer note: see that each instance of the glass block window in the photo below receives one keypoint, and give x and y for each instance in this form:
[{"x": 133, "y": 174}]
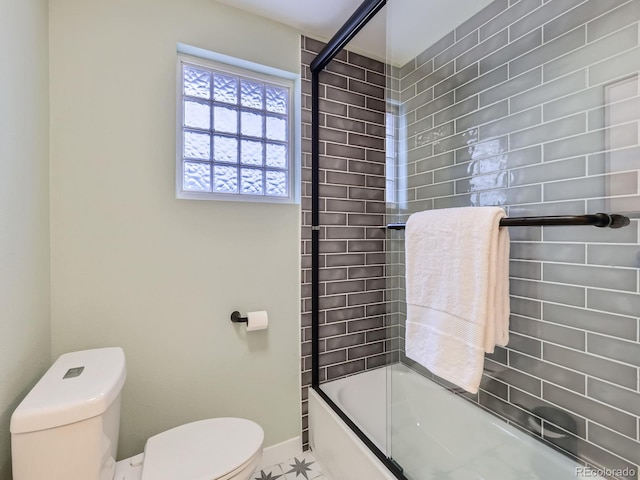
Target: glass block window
[{"x": 234, "y": 135}]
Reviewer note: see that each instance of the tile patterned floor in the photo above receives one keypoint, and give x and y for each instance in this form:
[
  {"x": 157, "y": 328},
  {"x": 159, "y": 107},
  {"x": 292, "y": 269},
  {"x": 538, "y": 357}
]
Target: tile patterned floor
[{"x": 301, "y": 467}]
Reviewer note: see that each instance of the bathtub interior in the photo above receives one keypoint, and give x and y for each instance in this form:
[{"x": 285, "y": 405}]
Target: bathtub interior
[
  {"x": 433, "y": 433},
  {"x": 364, "y": 398}
]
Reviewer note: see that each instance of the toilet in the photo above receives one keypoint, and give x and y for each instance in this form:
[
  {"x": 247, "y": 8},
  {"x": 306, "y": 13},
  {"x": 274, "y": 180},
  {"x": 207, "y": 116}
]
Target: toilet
[{"x": 66, "y": 428}]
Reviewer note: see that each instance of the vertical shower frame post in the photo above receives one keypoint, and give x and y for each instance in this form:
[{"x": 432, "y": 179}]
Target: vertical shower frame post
[{"x": 315, "y": 228}]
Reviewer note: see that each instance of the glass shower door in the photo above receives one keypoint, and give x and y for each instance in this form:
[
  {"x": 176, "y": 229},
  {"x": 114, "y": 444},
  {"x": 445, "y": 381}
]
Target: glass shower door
[{"x": 355, "y": 344}]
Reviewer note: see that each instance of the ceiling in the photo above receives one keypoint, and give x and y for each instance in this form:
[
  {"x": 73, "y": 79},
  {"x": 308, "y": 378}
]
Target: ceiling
[{"x": 412, "y": 25}]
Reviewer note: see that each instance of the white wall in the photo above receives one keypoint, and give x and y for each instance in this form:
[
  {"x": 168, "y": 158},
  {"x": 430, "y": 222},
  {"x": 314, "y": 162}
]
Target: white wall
[
  {"x": 24, "y": 207},
  {"x": 133, "y": 266}
]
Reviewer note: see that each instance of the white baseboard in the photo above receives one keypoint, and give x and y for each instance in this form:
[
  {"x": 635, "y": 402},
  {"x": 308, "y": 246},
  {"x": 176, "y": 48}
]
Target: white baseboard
[{"x": 280, "y": 452}]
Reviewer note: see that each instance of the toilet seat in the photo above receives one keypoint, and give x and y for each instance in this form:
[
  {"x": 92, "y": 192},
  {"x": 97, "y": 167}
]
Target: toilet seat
[{"x": 213, "y": 449}]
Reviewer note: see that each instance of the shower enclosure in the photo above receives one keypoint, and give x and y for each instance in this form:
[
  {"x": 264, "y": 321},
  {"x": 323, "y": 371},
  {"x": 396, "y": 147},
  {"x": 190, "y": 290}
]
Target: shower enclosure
[{"x": 530, "y": 105}]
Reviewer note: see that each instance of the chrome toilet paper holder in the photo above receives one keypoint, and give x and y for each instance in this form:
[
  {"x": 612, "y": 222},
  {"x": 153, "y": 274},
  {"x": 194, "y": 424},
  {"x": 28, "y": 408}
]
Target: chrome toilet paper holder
[{"x": 237, "y": 318}]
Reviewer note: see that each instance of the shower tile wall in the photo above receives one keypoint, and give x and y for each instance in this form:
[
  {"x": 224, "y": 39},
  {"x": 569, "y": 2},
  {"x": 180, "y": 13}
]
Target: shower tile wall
[
  {"x": 534, "y": 106},
  {"x": 353, "y": 337}
]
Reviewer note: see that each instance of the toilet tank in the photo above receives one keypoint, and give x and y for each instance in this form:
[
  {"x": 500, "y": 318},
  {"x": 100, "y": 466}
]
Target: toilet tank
[{"x": 66, "y": 428}]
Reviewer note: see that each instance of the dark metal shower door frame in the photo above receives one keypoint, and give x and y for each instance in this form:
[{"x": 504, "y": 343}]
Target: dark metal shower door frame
[{"x": 365, "y": 12}]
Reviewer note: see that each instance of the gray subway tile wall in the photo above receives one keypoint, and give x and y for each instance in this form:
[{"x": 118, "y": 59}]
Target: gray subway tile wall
[
  {"x": 353, "y": 332},
  {"x": 534, "y": 106}
]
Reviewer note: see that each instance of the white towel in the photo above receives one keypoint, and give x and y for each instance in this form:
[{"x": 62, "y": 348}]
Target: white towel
[{"x": 457, "y": 273}]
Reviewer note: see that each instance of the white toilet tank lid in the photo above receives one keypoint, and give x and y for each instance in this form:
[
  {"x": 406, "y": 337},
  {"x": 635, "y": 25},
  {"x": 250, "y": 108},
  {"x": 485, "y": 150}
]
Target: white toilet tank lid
[
  {"x": 79, "y": 385},
  {"x": 203, "y": 450}
]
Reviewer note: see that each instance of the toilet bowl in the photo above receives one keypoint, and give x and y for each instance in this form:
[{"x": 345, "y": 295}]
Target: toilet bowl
[
  {"x": 216, "y": 448},
  {"x": 67, "y": 428}
]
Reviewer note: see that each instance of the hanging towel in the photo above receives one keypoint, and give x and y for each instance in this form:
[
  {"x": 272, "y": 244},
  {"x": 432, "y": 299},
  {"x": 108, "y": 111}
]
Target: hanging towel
[{"x": 457, "y": 274}]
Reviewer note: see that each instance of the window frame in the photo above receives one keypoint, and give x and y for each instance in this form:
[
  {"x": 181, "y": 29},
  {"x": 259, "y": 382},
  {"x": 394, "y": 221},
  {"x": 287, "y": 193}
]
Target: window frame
[{"x": 250, "y": 71}]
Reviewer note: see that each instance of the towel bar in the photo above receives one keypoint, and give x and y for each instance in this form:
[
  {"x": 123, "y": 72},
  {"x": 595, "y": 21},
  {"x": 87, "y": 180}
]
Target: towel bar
[{"x": 598, "y": 220}]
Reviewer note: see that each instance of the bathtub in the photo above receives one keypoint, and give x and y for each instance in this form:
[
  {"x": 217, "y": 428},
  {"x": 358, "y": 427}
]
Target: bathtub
[{"x": 433, "y": 432}]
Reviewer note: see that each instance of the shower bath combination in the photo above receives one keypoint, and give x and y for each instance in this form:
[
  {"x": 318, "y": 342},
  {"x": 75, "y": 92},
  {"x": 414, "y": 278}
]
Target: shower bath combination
[{"x": 528, "y": 105}]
